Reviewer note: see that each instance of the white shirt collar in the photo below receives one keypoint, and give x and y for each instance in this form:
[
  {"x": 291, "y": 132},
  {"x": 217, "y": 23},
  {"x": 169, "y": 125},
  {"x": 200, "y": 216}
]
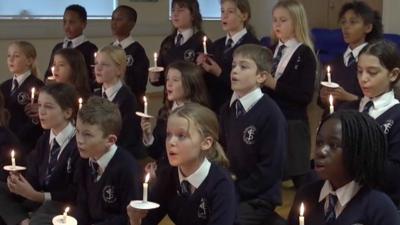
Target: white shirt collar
[
  {"x": 124, "y": 43},
  {"x": 290, "y": 44},
  {"x": 21, "y": 78},
  {"x": 249, "y": 100},
  {"x": 175, "y": 105},
  {"x": 105, "y": 159},
  {"x": 186, "y": 35},
  {"x": 75, "y": 42},
  {"x": 112, "y": 91},
  {"x": 236, "y": 37},
  {"x": 196, "y": 178},
  {"x": 356, "y": 51},
  {"x": 381, "y": 104},
  {"x": 63, "y": 137}
]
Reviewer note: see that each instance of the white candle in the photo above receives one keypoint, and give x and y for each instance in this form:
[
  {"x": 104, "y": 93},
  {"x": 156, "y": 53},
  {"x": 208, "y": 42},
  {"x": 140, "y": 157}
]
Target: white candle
[
  {"x": 205, "y": 44},
  {"x": 80, "y": 101},
  {"x": 328, "y": 74},
  {"x": 331, "y": 108},
  {"x": 145, "y": 105},
  {"x": 65, "y": 214},
  {"x": 146, "y": 187},
  {"x": 52, "y": 70},
  {"x": 13, "y": 158},
  {"x": 155, "y": 59},
  {"x": 32, "y": 95},
  {"x": 301, "y": 217}
]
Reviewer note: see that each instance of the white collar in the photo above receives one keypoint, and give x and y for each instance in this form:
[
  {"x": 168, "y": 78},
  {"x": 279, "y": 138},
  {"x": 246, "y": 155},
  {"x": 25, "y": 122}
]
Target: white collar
[
  {"x": 124, "y": 43},
  {"x": 175, "y": 105},
  {"x": 196, "y": 178},
  {"x": 249, "y": 100},
  {"x": 112, "y": 91},
  {"x": 186, "y": 35},
  {"x": 236, "y": 37},
  {"x": 21, "y": 77},
  {"x": 105, "y": 159},
  {"x": 75, "y": 42},
  {"x": 381, "y": 103},
  {"x": 291, "y": 43},
  {"x": 356, "y": 51},
  {"x": 344, "y": 193},
  {"x": 63, "y": 137}
]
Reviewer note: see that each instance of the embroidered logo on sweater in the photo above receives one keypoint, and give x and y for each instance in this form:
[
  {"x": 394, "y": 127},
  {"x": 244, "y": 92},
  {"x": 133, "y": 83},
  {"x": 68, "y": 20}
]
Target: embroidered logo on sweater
[
  {"x": 129, "y": 60},
  {"x": 249, "y": 135},
  {"x": 203, "y": 209},
  {"x": 23, "y": 98},
  {"x": 189, "y": 55},
  {"x": 69, "y": 167},
  {"x": 109, "y": 194},
  {"x": 387, "y": 125}
]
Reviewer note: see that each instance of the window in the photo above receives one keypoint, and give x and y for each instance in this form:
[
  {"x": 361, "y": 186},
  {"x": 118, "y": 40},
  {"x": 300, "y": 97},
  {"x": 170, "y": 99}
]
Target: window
[
  {"x": 210, "y": 9},
  {"x": 53, "y": 9}
]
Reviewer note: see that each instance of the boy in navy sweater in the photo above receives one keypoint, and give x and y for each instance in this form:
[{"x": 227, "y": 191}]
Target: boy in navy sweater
[
  {"x": 108, "y": 173},
  {"x": 254, "y": 134}
]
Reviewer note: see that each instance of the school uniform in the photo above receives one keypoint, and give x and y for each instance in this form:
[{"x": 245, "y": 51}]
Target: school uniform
[
  {"x": 107, "y": 185},
  {"x": 130, "y": 135},
  {"x": 295, "y": 74},
  {"x": 137, "y": 67},
  {"x": 207, "y": 198},
  {"x": 51, "y": 169},
  {"x": 82, "y": 44},
  {"x": 344, "y": 73},
  {"x": 355, "y": 205},
  {"x": 27, "y": 130},
  {"x": 219, "y": 88},
  {"x": 8, "y": 141},
  {"x": 255, "y": 139}
]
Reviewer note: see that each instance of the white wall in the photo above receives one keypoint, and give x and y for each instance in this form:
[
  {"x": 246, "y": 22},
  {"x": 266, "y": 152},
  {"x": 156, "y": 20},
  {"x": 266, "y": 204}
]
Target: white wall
[{"x": 390, "y": 16}]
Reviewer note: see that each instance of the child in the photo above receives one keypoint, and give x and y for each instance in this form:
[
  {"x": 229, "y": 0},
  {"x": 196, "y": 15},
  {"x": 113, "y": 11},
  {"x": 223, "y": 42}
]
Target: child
[
  {"x": 51, "y": 166},
  {"x": 194, "y": 189},
  {"x": 349, "y": 157},
  {"x": 186, "y": 39},
  {"x": 123, "y": 20},
  {"x": 254, "y": 134},
  {"x": 291, "y": 83},
  {"x": 70, "y": 67},
  {"x": 110, "y": 68},
  {"x": 235, "y": 19},
  {"x": 74, "y": 22},
  {"x": 109, "y": 174},
  {"x": 360, "y": 25},
  {"x": 17, "y": 92},
  {"x": 378, "y": 72}
]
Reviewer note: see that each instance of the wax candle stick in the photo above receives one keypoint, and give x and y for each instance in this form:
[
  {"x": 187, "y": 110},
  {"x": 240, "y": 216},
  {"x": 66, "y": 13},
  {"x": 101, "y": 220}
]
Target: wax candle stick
[
  {"x": 80, "y": 101},
  {"x": 301, "y": 217},
  {"x": 331, "y": 108},
  {"x": 13, "y": 164},
  {"x": 65, "y": 214},
  {"x": 205, "y": 45},
  {"x": 146, "y": 187},
  {"x": 328, "y": 74},
  {"x": 155, "y": 59},
  {"x": 32, "y": 95},
  {"x": 145, "y": 105}
]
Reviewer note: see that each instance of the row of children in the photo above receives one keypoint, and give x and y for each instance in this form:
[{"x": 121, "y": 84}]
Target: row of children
[{"x": 289, "y": 81}]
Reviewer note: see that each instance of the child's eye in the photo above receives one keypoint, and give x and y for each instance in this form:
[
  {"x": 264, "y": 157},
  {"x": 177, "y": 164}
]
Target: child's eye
[{"x": 181, "y": 136}]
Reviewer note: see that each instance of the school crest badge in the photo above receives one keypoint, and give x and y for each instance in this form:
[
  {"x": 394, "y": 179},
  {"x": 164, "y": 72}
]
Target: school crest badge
[
  {"x": 202, "y": 210},
  {"x": 189, "y": 55},
  {"x": 109, "y": 194},
  {"x": 23, "y": 98},
  {"x": 69, "y": 167},
  {"x": 129, "y": 60},
  {"x": 249, "y": 135},
  {"x": 387, "y": 126}
]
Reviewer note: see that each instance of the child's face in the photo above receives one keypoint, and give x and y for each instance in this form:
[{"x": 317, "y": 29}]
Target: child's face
[
  {"x": 73, "y": 25},
  {"x": 181, "y": 17},
  {"x": 51, "y": 115},
  {"x": 17, "y": 61},
  {"x": 91, "y": 140},
  {"x": 373, "y": 78},
  {"x": 244, "y": 75},
  {"x": 329, "y": 160},
  {"x": 282, "y": 24},
  {"x": 106, "y": 70},
  {"x": 232, "y": 18},
  {"x": 354, "y": 29},
  {"x": 174, "y": 86},
  {"x": 184, "y": 143},
  {"x": 62, "y": 69},
  {"x": 120, "y": 24}
]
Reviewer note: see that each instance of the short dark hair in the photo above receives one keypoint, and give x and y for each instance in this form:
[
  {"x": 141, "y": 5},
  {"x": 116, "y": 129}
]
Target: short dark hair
[
  {"x": 101, "y": 112},
  {"x": 130, "y": 12},
  {"x": 80, "y": 10},
  {"x": 364, "y": 146},
  {"x": 194, "y": 8}
]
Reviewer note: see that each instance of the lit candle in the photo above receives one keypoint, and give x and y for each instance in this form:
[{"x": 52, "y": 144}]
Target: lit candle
[
  {"x": 301, "y": 217},
  {"x": 146, "y": 187},
  {"x": 328, "y": 70},
  {"x": 331, "y": 108},
  {"x": 32, "y": 95},
  {"x": 13, "y": 158},
  {"x": 65, "y": 214},
  {"x": 95, "y": 54},
  {"x": 155, "y": 59},
  {"x": 205, "y": 44},
  {"x": 145, "y": 105},
  {"x": 80, "y": 101},
  {"x": 52, "y": 70}
]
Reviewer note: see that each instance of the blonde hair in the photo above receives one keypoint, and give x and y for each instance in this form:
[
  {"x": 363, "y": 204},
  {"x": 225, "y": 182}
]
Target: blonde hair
[
  {"x": 207, "y": 123},
  {"x": 30, "y": 52},
  {"x": 117, "y": 55},
  {"x": 299, "y": 17}
]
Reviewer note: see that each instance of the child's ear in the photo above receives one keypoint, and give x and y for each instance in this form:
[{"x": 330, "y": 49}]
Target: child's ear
[
  {"x": 262, "y": 76},
  {"x": 368, "y": 28},
  {"x": 394, "y": 74},
  {"x": 111, "y": 139},
  {"x": 244, "y": 16},
  {"x": 206, "y": 143},
  {"x": 68, "y": 113}
]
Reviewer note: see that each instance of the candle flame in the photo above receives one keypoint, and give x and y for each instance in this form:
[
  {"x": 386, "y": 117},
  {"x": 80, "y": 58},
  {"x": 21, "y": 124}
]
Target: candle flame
[
  {"x": 144, "y": 99},
  {"x": 330, "y": 99},
  {"x": 328, "y": 69},
  {"x": 12, "y": 153},
  {"x": 302, "y": 209},
  {"x": 95, "y": 54},
  {"x": 52, "y": 70},
  {"x": 33, "y": 91},
  {"x": 80, "y": 100},
  {"x": 155, "y": 55},
  {"x": 147, "y": 178},
  {"x": 205, "y": 38},
  {"x": 66, "y": 210}
]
